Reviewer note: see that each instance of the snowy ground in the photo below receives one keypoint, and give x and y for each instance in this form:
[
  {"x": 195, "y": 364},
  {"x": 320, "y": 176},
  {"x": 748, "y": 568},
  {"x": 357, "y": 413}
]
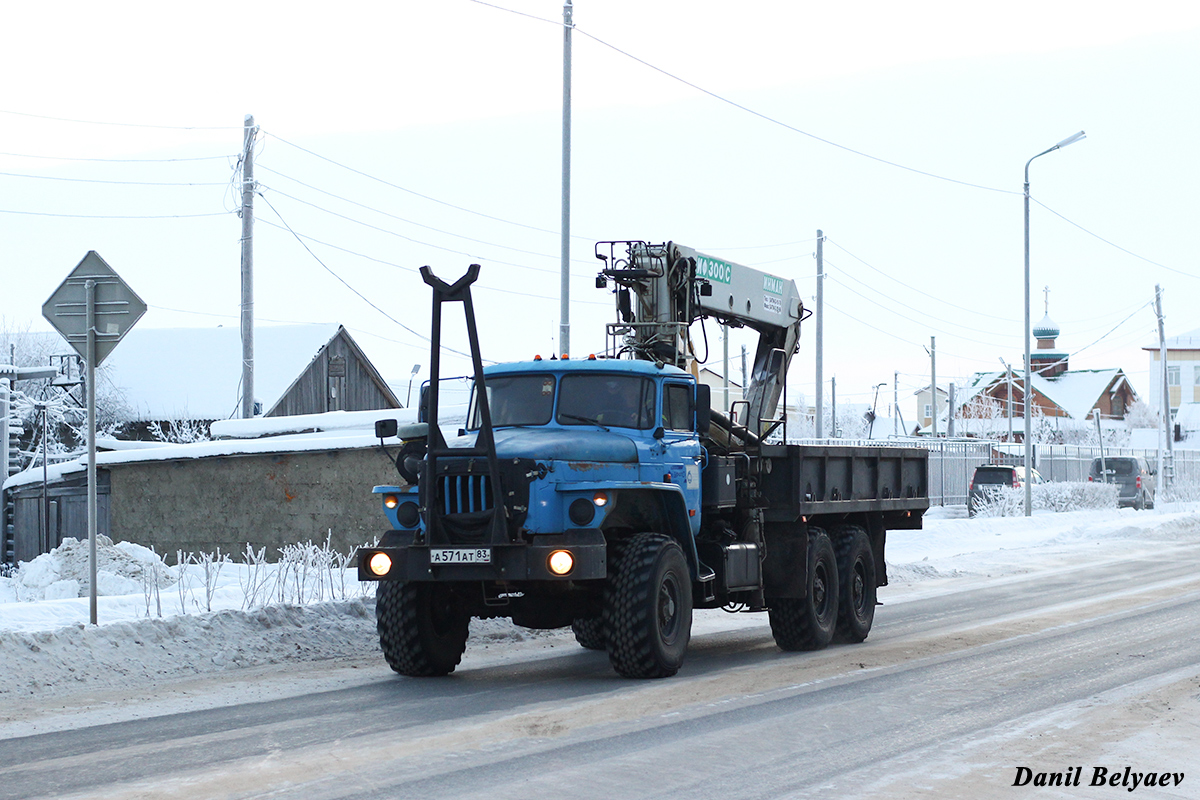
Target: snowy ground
[{"x": 48, "y": 650}]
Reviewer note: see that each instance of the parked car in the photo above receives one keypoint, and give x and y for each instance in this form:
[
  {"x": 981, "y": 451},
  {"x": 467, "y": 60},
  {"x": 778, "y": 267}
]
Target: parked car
[
  {"x": 1136, "y": 480},
  {"x": 989, "y": 479}
]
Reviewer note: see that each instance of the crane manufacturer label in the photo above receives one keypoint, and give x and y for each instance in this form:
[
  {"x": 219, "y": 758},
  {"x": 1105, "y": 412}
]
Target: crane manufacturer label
[
  {"x": 713, "y": 269},
  {"x": 773, "y": 285}
]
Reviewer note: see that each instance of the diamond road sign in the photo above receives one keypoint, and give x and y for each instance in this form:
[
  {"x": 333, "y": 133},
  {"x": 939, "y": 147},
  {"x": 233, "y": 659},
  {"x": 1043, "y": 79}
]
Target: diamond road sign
[{"x": 117, "y": 307}]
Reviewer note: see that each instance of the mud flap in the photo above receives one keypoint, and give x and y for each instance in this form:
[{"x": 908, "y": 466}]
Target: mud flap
[{"x": 786, "y": 558}]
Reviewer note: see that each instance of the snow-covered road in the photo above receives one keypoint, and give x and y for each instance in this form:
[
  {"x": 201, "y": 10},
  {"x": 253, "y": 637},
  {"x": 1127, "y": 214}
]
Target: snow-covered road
[{"x": 1065, "y": 640}]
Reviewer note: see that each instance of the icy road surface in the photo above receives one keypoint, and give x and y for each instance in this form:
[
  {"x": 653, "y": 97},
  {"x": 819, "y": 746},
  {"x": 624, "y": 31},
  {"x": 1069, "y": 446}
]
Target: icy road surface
[{"x": 1060, "y": 642}]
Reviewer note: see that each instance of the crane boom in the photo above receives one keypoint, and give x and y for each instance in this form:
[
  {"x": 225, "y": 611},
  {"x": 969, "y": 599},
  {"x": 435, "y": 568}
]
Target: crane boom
[{"x": 661, "y": 289}]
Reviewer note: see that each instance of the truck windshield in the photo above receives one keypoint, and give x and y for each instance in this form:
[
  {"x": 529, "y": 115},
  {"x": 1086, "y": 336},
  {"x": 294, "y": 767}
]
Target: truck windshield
[
  {"x": 622, "y": 401},
  {"x": 516, "y": 400}
]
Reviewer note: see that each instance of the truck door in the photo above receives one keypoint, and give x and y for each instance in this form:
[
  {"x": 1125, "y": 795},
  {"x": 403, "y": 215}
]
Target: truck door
[{"x": 681, "y": 444}]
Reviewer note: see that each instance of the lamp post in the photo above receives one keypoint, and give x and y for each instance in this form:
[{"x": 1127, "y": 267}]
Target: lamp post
[
  {"x": 415, "y": 370},
  {"x": 1028, "y": 393}
]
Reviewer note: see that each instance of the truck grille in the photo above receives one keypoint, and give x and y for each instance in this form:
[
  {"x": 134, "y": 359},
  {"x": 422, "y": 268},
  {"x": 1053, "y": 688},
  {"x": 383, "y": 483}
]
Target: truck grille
[{"x": 464, "y": 494}]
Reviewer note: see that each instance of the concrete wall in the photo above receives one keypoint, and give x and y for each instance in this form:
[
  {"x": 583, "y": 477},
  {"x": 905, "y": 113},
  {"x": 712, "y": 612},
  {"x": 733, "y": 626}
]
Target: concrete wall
[{"x": 198, "y": 505}]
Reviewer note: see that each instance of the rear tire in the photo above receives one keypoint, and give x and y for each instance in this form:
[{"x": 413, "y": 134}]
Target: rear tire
[
  {"x": 589, "y": 632},
  {"x": 648, "y": 608},
  {"x": 422, "y": 627},
  {"x": 808, "y": 623},
  {"x": 856, "y": 582}
]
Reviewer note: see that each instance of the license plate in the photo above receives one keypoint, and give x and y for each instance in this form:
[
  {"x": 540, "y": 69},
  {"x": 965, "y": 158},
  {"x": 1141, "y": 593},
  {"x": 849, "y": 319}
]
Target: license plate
[{"x": 460, "y": 555}]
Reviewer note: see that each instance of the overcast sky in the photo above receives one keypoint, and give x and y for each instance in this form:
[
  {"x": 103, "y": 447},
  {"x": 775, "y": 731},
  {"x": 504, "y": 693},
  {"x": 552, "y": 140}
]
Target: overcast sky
[{"x": 407, "y": 133}]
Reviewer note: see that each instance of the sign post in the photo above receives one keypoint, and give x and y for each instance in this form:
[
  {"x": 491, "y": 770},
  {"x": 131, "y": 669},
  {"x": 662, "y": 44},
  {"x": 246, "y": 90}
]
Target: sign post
[{"x": 93, "y": 309}]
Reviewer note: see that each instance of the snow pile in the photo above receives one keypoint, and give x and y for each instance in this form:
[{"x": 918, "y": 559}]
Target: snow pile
[{"x": 121, "y": 569}]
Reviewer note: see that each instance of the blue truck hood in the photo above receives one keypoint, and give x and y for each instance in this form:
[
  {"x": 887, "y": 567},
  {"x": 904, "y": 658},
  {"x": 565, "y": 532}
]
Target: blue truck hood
[{"x": 558, "y": 444}]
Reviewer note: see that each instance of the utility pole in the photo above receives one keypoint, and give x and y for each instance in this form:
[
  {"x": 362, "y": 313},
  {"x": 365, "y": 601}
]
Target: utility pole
[
  {"x": 564, "y": 291},
  {"x": 896, "y": 403},
  {"x": 745, "y": 379},
  {"x": 833, "y": 432},
  {"x": 248, "y": 267},
  {"x": 820, "y": 431},
  {"x": 933, "y": 382},
  {"x": 1167, "y": 468},
  {"x": 725, "y": 372},
  {"x": 950, "y": 413}
]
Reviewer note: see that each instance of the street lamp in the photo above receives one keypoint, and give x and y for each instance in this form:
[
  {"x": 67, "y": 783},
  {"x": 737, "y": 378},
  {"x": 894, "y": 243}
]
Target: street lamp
[
  {"x": 1028, "y": 396},
  {"x": 415, "y": 370},
  {"x": 871, "y": 425}
]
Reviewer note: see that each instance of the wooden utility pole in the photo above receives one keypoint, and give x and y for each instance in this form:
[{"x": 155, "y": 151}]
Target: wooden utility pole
[
  {"x": 1167, "y": 465},
  {"x": 248, "y": 268},
  {"x": 821, "y": 336}
]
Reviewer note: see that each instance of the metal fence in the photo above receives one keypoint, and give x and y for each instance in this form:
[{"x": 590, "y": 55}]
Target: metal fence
[{"x": 952, "y": 462}]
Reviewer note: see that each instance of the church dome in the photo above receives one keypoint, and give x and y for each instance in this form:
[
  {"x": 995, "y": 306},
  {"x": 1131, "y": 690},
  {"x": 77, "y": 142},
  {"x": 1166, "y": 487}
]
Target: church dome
[{"x": 1046, "y": 329}]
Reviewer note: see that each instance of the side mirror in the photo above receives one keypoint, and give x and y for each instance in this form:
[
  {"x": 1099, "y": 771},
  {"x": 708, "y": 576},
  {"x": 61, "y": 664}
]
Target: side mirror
[
  {"x": 703, "y": 407},
  {"x": 385, "y": 428}
]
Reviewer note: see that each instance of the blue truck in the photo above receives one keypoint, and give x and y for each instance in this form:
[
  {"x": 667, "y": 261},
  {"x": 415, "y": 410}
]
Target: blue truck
[{"x": 608, "y": 495}]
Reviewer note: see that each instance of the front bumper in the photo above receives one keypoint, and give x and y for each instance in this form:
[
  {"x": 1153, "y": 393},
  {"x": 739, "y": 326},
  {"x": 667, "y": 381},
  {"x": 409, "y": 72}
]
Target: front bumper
[{"x": 511, "y": 561}]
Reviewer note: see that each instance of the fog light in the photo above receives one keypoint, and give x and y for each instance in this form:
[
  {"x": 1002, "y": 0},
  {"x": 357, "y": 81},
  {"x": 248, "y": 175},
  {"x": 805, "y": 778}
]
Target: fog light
[
  {"x": 561, "y": 562},
  {"x": 581, "y": 511},
  {"x": 408, "y": 515},
  {"x": 391, "y": 501},
  {"x": 380, "y": 564}
]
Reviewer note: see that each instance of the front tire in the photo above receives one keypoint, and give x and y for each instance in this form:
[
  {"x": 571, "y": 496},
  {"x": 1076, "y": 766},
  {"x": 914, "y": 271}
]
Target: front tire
[
  {"x": 422, "y": 627},
  {"x": 808, "y": 623},
  {"x": 589, "y": 632},
  {"x": 648, "y": 608}
]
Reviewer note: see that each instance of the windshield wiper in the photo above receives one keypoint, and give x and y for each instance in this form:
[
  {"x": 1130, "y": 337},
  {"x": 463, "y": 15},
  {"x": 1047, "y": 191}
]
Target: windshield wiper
[{"x": 588, "y": 420}]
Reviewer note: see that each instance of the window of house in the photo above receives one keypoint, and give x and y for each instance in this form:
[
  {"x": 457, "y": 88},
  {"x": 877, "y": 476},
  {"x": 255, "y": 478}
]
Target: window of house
[
  {"x": 1172, "y": 376},
  {"x": 928, "y": 411}
]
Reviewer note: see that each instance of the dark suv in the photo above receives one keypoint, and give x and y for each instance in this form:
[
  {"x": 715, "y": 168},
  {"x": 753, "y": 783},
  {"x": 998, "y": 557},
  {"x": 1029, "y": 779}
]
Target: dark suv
[
  {"x": 1135, "y": 479},
  {"x": 989, "y": 479}
]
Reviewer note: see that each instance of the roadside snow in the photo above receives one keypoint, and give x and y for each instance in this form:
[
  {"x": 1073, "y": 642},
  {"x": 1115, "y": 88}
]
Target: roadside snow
[{"x": 47, "y": 648}]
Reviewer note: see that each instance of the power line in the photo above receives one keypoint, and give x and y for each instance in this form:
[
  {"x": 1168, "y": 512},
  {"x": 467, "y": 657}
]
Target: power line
[
  {"x": 402, "y": 236},
  {"x": 1111, "y": 244},
  {"x": 418, "y": 194},
  {"x": 918, "y": 291},
  {"x": 124, "y": 124},
  {"x": 95, "y": 180},
  {"x": 113, "y": 216},
  {"x": 345, "y": 283},
  {"x": 410, "y": 269},
  {"x": 916, "y": 321},
  {"x": 120, "y": 160},
  {"x": 399, "y": 218}
]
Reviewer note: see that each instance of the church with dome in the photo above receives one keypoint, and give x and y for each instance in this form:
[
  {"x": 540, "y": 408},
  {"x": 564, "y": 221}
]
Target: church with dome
[{"x": 1060, "y": 396}]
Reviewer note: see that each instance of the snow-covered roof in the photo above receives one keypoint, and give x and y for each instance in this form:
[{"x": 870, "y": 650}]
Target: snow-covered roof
[
  {"x": 1184, "y": 341},
  {"x": 1076, "y": 391},
  {"x": 196, "y": 373}
]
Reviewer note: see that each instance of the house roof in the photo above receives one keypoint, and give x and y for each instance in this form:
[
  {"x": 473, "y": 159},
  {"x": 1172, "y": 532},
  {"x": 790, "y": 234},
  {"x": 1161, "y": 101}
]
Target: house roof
[
  {"x": 1075, "y": 391},
  {"x": 1184, "y": 341},
  {"x": 196, "y": 373}
]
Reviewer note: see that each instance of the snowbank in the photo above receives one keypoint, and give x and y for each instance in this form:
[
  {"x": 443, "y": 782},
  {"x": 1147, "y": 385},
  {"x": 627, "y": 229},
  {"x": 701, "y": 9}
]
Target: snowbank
[{"x": 47, "y": 649}]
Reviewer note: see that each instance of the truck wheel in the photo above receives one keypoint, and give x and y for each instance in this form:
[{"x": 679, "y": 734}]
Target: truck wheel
[
  {"x": 808, "y": 623},
  {"x": 589, "y": 632},
  {"x": 648, "y": 608},
  {"x": 422, "y": 627},
  {"x": 856, "y": 579}
]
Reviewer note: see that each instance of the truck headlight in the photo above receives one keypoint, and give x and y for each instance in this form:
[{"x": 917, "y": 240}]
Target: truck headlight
[
  {"x": 379, "y": 564},
  {"x": 561, "y": 562}
]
